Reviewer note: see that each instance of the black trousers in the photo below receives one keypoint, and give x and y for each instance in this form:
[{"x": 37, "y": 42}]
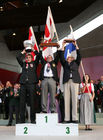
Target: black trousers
[
  {"x": 6, "y": 107},
  {"x": 13, "y": 108},
  {"x": 27, "y": 90}
]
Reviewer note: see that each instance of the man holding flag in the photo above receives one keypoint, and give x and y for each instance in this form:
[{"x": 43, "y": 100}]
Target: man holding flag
[
  {"x": 71, "y": 79},
  {"x": 49, "y": 75}
]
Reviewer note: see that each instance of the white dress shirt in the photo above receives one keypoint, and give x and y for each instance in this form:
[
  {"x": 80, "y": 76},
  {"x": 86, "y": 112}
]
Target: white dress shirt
[{"x": 48, "y": 71}]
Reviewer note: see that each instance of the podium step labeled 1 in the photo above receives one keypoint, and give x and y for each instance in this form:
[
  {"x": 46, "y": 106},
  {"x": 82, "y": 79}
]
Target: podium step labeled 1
[{"x": 46, "y": 119}]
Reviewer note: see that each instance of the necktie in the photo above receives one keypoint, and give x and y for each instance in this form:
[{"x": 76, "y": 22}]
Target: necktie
[{"x": 48, "y": 67}]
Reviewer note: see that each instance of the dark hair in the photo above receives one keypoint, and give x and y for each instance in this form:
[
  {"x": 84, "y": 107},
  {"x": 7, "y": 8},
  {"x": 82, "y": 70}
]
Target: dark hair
[
  {"x": 16, "y": 84},
  {"x": 84, "y": 79},
  {"x": 29, "y": 55}
]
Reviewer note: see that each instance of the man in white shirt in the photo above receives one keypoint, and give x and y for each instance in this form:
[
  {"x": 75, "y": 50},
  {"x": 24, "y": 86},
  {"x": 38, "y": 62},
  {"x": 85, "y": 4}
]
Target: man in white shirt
[{"x": 49, "y": 78}]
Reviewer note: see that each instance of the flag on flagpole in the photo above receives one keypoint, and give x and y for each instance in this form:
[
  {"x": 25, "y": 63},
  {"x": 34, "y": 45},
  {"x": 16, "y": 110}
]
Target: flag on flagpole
[
  {"x": 50, "y": 34},
  {"x": 71, "y": 35},
  {"x": 70, "y": 50},
  {"x": 33, "y": 39}
]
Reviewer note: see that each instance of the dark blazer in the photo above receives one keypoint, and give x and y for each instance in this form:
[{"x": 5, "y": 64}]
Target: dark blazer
[
  {"x": 28, "y": 75},
  {"x": 14, "y": 100},
  {"x": 53, "y": 65},
  {"x": 70, "y": 68}
]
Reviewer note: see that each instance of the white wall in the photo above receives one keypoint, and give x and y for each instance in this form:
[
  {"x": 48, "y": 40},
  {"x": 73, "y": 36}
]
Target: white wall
[{"x": 84, "y": 17}]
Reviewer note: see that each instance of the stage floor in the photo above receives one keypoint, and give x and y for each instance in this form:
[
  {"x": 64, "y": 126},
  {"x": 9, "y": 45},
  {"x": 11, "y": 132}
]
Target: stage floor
[{"x": 8, "y": 133}]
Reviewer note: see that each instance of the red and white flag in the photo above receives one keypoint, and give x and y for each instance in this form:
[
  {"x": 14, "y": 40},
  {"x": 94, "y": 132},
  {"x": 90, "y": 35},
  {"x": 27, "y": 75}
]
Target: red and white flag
[
  {"x": 50, "y": 35},
  {"x": 33, "y": 39}
]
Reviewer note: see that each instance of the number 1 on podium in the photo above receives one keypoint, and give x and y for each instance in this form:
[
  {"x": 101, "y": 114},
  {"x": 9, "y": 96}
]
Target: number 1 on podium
[{"x": 46, "y": 119}]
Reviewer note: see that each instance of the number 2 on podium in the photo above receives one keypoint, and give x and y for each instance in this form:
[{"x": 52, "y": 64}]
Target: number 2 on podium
[
  {"x": 46, "y": 119},
  {"x": 25, "y": 130}
]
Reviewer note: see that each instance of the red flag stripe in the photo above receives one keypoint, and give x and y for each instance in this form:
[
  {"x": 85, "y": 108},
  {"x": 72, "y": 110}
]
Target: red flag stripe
[
  {"x": 30, "y": 34},
  {"x": 47, "y": 33}
]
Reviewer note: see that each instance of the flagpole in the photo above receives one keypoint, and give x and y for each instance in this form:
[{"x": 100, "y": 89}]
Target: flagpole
[
  {"x": 61, "y": 72},
  {"x": 50, "y": 34},
  {"x": 34, "y": 36},
  {"x": 71, "y": 29},
  {"x": 53, "y": 23},
  {"x": 81, "y": 62},
  {"x": 82, "y": 68}
]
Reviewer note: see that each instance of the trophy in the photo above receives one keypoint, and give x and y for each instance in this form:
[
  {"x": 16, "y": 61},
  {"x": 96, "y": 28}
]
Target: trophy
[
  {"x": 70, "y": 39},
  {"x": 48, "y": 44},
  {"x": 28, "y": 44}
]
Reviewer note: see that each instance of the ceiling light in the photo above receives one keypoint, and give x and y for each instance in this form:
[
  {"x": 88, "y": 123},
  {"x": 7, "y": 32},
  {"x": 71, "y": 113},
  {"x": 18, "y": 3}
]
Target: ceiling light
[
  {"x": 90, "y": 26},
  {"x": 60, "y": 1},
  {"x": 85, "y": 29},
  {"x": 14, "y": 34},
  {"x": 26, "y": 2},
  {"x": 1, "y": 8}
]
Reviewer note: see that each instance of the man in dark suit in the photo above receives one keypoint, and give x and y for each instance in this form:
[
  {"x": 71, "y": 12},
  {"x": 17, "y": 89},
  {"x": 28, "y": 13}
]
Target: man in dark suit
[
  {"x": 28, "y": 81},
  {"x": 49, "y": 78},
  {"x": 71, "y": 80}
]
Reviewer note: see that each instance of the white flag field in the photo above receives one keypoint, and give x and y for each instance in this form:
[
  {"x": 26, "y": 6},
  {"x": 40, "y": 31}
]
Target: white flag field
[
  {"x": 33, "y": 39},
  {"x": 50, "y": 35}
]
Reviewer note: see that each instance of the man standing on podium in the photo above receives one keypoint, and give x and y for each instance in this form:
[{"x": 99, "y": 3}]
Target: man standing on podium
[
  {"x": 49, "y": 79},
  {"x": 71, "y": 79},
  {"x": 28, "y": 80}
]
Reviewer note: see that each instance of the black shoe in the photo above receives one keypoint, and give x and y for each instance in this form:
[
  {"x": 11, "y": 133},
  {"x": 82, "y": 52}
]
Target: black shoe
[
  {"x": 43, "y": 112},
  {"x": 90, "y": 129},
  {"x": 6, "y": 118},
  {"x": 33, "y": 122},
  {"x": 67, "y": 122},
  {"x": 22, "y": 122},
  {"x": 76, "y": 121},
  {"x": 9, "y": 124},
  {"x": 17, "y": 122},
  {"x": 53, "y": 112}
]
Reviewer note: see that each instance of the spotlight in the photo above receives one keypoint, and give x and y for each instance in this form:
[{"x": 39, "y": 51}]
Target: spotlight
[
  {"x": 1, "y": 8},
  {"x": 60, "y": 1},
  {"x": 14, "y": 34},
  {"x": 26, "y": 2}
]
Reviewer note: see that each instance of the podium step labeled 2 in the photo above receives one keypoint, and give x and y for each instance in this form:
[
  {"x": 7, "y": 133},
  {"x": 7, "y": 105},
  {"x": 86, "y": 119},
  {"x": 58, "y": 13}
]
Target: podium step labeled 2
[{"x": 47, "y": 125}]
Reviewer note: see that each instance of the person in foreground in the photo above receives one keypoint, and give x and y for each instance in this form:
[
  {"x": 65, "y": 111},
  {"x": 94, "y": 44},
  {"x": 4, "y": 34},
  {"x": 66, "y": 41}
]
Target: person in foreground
[{"x": 86, "y": 102}]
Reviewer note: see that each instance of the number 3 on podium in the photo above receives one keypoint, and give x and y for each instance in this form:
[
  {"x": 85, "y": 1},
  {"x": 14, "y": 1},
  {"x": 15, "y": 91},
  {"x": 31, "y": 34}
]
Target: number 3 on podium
[{"x": 67, "y": 130}]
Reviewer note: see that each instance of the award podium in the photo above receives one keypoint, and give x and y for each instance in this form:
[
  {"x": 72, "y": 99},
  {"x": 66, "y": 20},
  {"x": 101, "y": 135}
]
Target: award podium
[{"x": 47, "y": 125}]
